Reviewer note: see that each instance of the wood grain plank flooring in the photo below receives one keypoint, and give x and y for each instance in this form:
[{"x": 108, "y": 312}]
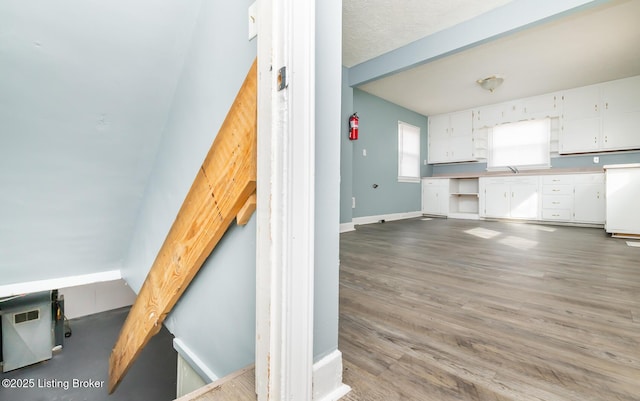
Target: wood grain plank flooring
[{"x": 473, "y": 310}]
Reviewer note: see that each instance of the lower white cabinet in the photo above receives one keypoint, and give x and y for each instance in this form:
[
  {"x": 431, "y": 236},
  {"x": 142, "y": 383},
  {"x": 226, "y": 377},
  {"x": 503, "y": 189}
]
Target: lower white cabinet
[
  {"x": 589, "y": 198},
  {"x": 574, "y": 198},
  {"x": 623, "y": 192},
  {"x": 510, "y": 197},
  {"x": 435, "y": 196}
]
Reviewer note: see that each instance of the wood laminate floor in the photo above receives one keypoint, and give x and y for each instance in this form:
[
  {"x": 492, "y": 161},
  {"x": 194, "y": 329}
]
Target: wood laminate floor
[{"x": 447, "y": 309}]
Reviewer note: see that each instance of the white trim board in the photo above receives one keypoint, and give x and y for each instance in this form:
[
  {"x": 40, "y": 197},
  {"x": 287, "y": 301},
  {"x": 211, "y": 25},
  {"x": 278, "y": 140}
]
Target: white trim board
[
  {"x": 54, "y": 283},
  {"x": 385, "y": 217},
  {"x": 286, "y": 194},
  {"x": 327, "y": 378},
  {"x": 346, "y": 227}
]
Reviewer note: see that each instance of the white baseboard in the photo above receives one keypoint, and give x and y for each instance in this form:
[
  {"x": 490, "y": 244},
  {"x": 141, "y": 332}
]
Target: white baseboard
[
  {"x": 346, "y": 227},
  {"x": 386, "y": 217},
  {"x": 62, "y": 282},
  {"x": 327, "y": 378}
]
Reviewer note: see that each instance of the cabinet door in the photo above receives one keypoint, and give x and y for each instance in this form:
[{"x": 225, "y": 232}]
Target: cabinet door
[
  {"x": 430, "y": 203},
  {"x": 589, "y": 203},
  {"x": 541, "y": 106},
  {"x": 496, "y": 200},
  {"x": 580, "y": 130},
  {"x": 488, "y": 116},
  {"x": 438, "y": 149},
  {"x": 512, "y": 112},
  {"x": 460, "y": 149},
  {"x": 435, "y": 196},
  {"x": 524, "y": 201},
  {"x": 461, "y": 123},
  {"x": 439, "y": 125},
  {"x": 621, "y": 114}
]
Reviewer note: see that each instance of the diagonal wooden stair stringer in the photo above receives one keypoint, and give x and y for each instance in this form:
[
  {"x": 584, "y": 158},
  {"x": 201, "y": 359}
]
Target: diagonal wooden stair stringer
[{"x": 224, "y": 188}]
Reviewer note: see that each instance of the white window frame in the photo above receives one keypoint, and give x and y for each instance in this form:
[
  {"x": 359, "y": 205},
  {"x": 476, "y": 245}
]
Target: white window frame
[
  {"x": 402, "y": 155},
  {"x": 520, "y": 129}
]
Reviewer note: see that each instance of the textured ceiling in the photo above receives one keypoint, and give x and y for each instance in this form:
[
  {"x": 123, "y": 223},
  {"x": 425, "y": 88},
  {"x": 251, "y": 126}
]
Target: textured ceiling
[
  {"x": 85, "y": 89},
  {"x": 371, "y": 28},
  {"x": 595, "y": 45}
]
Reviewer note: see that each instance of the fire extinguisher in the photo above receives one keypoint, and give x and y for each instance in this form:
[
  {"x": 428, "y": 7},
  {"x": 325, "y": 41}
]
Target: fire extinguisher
[{"x": 353, "y": 127}]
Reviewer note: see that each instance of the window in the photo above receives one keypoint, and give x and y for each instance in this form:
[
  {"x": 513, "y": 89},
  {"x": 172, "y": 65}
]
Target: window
[
  {"x": 408, "y": 153},
  {"x": 522, "y": 144}
]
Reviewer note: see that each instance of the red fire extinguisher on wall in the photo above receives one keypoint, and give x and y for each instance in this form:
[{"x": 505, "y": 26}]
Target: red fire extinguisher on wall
[{"x": 353, "y": 126}]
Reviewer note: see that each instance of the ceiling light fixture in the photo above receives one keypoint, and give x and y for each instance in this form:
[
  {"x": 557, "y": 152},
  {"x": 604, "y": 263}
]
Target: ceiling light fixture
[{"x": 490, "y": 83}]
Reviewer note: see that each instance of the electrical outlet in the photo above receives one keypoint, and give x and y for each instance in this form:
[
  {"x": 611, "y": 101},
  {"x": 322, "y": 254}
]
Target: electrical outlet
[
  {"x": 364, "y": 152},
  {"x": 596, "y": 159},
  {"x": 353, "y": 202},
  {"x": 425, "y": 162}
]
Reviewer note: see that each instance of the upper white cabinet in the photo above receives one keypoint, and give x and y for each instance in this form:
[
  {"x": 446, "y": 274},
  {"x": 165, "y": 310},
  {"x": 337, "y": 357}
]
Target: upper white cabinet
[
  {"x": 543, "y": 106},
  {"x": 601, "y": 117},
  {"x": 621, "y": 114},
  {"x": 580, "y": 127},
  {"x": 451, "y": 138},
  {"x": 488, "y": 116}
]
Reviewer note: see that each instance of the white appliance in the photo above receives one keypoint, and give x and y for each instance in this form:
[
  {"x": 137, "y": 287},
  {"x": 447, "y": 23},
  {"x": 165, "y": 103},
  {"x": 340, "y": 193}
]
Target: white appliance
[
  {"x": 27, "y": 335},
  {"x": 623, "y": 200}
]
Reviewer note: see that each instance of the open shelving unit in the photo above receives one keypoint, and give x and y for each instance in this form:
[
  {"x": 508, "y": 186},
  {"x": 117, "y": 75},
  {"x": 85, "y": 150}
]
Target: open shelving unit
[{"x": 464, "y": 198}]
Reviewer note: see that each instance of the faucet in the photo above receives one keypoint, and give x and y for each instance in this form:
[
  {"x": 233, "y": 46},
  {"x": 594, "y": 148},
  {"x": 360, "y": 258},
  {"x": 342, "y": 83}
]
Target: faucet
[{"x": 514, "y": 170}]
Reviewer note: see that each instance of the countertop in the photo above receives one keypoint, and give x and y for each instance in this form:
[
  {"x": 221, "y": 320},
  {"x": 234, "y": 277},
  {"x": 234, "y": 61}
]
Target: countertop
[{"x": 612, "y": 166}]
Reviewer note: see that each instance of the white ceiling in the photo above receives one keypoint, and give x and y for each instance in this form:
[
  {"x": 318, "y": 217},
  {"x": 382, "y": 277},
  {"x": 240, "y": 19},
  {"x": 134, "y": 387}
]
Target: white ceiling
[
  {"x": 374, "y": 27},
  {"x": 85, "y": 89},
  {"x": 596, "y": 45}
]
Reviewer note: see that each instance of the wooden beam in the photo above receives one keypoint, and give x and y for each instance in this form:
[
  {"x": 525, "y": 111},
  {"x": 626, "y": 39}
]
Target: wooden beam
[{"x": 224, "y": 183}]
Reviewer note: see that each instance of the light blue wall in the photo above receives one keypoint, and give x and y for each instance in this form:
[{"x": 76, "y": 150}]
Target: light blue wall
[
  {"x": 346, "y": 150},
  {"x": 379, "y": 136},
  {"x": 215, "y": 318},
  {"x": 328, "y": 75}
]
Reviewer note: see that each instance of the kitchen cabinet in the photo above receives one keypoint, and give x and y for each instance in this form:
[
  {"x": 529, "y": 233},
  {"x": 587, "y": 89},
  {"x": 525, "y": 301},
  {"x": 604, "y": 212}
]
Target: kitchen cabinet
[
  {"x": 509, "y": 197},
  {"x": 589, "y": 198},
  {"x": 621, "y": 114},
  {"x": 463, "y": 198},
  {"x": 580, "y": 126},
  {"x": 451, "y": 138},
  {"x": 622, "y": 194},
  {"x": 602, "y": 117},
  {"x": 575, "y": 198},
  {"x": 536, "y": 107},
  {"x": 435, "y": 196},
  {"x": 488, "y": 116},
  {"x": 543, "y": 106}
]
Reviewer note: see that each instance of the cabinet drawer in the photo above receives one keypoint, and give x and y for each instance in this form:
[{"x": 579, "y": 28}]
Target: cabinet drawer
[
  {"x": 553, "y": 214},
  {"x": 597, "y": 178},
  {"x": 557, "y": 202},
  {"x": 557, "y": 180},
  {"x": 435, "y": 182},
  {"x": 557, "y": 189}
]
